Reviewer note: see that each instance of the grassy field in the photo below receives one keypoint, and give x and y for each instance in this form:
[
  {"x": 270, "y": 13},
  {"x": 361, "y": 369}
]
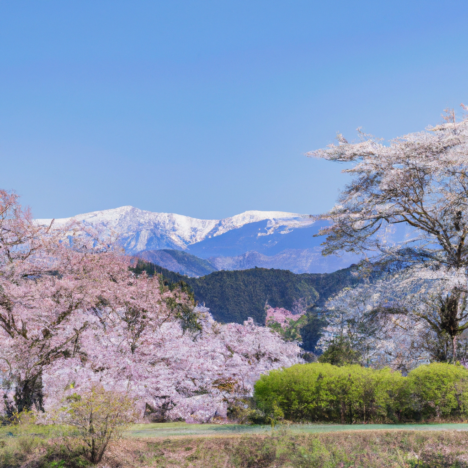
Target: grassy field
[
  {"x": 183, "y": 429},
  {"x": 178, "y": 445}
]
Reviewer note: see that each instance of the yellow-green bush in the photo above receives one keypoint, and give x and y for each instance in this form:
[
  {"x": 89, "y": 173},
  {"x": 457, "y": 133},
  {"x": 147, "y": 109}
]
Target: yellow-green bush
[
  {"x": 439, "y": 390},
  {"x": 323, "y": 392}
]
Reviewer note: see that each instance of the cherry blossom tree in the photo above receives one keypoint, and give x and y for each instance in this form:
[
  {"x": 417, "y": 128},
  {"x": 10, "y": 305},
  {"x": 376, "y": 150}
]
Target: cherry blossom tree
[
  {"x": 73, "y": 317},
  {"x": 373, "y": 321},
  {"x": 56, "y": 285},
  {"x": 282, "y": 316},
  {"x": 396, "y": 319},
  {"x": 419, "y": 181},
  {"x": 288, "y": 324}
]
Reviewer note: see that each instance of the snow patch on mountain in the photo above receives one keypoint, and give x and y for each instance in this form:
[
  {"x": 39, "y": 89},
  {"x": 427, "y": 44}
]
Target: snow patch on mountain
[{"x": 274, "y": 218}]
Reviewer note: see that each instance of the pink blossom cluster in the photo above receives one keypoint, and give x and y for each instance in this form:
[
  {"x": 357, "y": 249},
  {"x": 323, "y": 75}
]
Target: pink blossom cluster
[
  {"x": 197, "y": 377},
  {"x": 282, "y": 316}
]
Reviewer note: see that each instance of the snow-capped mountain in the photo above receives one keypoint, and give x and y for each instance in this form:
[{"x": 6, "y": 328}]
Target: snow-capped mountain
[
  {"x": 140, "y": 230},
  {"x": 268, "y": 239}
]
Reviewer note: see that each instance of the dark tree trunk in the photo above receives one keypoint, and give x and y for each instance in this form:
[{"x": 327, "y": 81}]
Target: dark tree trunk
[
  {"x": 9, "y": 407},
  {"x": 29, "y": 393},
  {"x": 450, "y": 320}
]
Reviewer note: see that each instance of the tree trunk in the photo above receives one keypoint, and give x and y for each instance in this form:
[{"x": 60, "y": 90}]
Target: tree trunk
[
  {"x": 29, "y": 393},
  {"x": 93, "y": 454},
  {"x": 454, "y": 346}
]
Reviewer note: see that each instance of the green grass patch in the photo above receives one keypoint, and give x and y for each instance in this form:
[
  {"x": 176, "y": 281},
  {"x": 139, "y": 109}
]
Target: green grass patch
[{"x": 163, "y": 430}]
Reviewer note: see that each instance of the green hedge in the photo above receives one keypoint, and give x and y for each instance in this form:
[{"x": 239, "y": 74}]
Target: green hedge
[{"x": 349, "y": 394}]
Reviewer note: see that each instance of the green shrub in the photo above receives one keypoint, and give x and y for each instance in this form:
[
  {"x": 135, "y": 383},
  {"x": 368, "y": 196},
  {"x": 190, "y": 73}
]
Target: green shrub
[
  {"x": 98, "y": 416},
  {"x": 323, "y": 392},
  {"x": 243, "y": 411},
  {"x": 349, "y": 394},
  {"x": 439, "y": 390}
]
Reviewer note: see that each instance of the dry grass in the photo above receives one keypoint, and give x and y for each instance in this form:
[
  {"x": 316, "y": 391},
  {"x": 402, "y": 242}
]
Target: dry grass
[
  {"x": 366, "y": 449},
  {"x": 345, "y": 450}
]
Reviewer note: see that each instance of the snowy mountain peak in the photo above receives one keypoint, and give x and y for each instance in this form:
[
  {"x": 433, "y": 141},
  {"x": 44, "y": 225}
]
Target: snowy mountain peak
[
  {"x": 146, "y": 230},
  {"x": 255, "y": 216}
]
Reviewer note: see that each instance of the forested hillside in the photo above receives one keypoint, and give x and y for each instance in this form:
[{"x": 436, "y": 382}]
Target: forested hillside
[{"x": 233, "y": 296}]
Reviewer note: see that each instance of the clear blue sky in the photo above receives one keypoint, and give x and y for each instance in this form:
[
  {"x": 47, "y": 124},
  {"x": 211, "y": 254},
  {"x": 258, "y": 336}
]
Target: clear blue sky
[{"x": 206, "y": 108}]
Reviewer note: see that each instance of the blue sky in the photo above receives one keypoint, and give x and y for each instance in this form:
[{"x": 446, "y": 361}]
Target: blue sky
[{"x": 206, "y": 108}]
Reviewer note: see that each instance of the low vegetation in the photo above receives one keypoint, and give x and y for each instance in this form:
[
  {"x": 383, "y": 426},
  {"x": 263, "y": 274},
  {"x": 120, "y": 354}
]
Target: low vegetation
[
  {"x": 281, "y": 448},
  {"x": 97, "y": 416},
  {"x": 351, "y": 394}
]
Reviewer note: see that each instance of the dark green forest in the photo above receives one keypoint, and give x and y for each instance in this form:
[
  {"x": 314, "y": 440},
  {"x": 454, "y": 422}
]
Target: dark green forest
[{"x": 233, "y": 296}]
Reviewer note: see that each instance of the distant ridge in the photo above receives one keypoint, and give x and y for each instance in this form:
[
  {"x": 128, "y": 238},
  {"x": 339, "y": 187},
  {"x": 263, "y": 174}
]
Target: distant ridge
[{"x": 178, "y": 261}]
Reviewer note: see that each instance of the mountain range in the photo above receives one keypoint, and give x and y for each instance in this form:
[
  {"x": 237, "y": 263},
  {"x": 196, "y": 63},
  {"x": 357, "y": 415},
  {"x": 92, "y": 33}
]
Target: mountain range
[{"x": 196, "y": 247}]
